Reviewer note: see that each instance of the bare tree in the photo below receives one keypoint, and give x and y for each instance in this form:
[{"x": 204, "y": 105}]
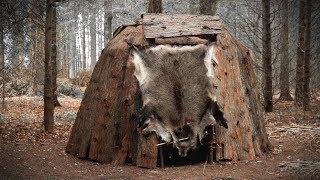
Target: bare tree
[
  {"x": 266, "y": 56},
  {"x": 50, "y": 66},
  {"x": 284, "y": 59},
  {"x": 107, "y": 21},
  {"x": 84, "y": 58},
  {"x": 93, "y": 34},
  {"x": 36, "y": 50},
  {"x": 155, "y": 6},
  {"x": 193, "y": 7},
  {"x": 54, "y": 58},
  {"x": 208, "y": 7},
  {"x": 2, "y": 73},
  {"x": 300, "y": 59},
  {"x": 17, "y": 36},
  {"x": 306, "y": 80},
  {"x": 73, "y": 45}
]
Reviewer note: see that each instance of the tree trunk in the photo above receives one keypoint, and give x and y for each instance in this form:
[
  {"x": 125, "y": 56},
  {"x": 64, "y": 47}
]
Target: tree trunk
[
  {"x": 32, "y": 55},
  {"x": 298, "y": 101},
  {"x": 107, "y": 21},
  {"x": 93, "y": 34},
  {"x": 17, "y": 42},
  {"x": 73, "y": 43},
  {"x": 208, "y": 7},
  {"x": 193, "y": 8},
  {"x": 2, "y": 73},
  {"x": 36, "y": 45},
  {"x": 50, "y": 98},
  {"x": 73, "y": 55},
  {"x": 266, "y": 56},
  {"x": 284, "y": 66},
  {"x": 54, "y": 57},
  {"x": 306, "y": 80},
  {"x": 155, "y": 6},
  {"x": 110, "y": 134},
  {"x": 65, "y": 64},
  {"x": 84, "y": 58},
  {"x": 39, "y": 58}
]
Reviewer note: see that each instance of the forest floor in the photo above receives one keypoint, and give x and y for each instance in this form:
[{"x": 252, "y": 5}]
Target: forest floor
[{"x": 28, "y": 152}]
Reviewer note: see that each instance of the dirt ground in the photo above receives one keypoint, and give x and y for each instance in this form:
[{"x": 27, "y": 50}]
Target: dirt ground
[{"x": 28, "y": 152}]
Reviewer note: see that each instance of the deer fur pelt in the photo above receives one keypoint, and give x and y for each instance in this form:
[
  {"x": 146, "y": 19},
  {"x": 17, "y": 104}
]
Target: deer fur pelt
[{"x": 177, "y": 92}]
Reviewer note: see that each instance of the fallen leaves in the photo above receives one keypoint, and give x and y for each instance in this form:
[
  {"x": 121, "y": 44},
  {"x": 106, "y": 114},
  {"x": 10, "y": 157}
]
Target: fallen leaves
[
  {"x": 22, "y": 121},
  {"x": 26, "y": 150}
]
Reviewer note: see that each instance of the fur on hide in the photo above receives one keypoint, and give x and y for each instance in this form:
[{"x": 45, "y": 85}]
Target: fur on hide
[{"x": 176, "y": 84}]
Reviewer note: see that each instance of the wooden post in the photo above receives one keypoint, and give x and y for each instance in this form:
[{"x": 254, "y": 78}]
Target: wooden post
[
  {"x": 212, "y": 147},
  {"x": 161, "y": 156},
  {"x": 217, "y": 143},
  {"x": 147, "y": 150}
]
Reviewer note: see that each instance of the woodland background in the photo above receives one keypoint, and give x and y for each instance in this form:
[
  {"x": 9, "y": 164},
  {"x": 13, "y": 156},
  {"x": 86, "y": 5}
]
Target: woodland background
[
  {"x": 48, "y": 50},
  {"x": 83, "y": 28}
]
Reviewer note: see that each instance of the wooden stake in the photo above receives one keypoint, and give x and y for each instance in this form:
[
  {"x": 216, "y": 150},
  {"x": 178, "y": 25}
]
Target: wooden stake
[
  {"x": 212, "y": 146},
  {"x": 211, "y": 158},
  {"x": 147, "y": 151},
  {"x": 161, "y": 156}
]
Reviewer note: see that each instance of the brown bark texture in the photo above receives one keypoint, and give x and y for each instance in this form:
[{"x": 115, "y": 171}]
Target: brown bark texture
[
  {"x": 50, "y": 84},
  {"x": 307, "y": 56},
  {"x": 238, "y": 95},
  {"x": 93, "y": 28},
  {"x": 2, "y": 73},
  {"x": 166, "y": 25},
  {"x": 266, "y": 56},
  {"x": 105, "y": 129},
  {"x": 54, "y": 57},
  {"x": 284, "y": 64},
  {"x": 107, "y": 21},
  {"x": 103, "y": 121},
  {"x": 36, "y": 44},
  {"x": 84, "y": 58},
  {"x": 155, "y": 6},
  {"x": 146, "y": 154},
  {"x": 298, "y": 101},
  {"x": 208, "y": 7}
]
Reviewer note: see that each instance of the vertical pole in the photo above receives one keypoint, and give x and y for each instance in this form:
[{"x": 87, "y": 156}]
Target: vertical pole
[
  {"x": 212, "y": 147},
  {"x": 211, "y": 160},
  {"x": 161, "y": 156}
]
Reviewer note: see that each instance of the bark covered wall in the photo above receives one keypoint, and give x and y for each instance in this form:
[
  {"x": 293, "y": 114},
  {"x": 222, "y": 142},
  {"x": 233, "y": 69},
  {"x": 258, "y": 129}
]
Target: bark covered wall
[
  {"x": 238, "y": 95},
  {"x": 108, "y": 103},
  {"x": 105, "y": 127}
]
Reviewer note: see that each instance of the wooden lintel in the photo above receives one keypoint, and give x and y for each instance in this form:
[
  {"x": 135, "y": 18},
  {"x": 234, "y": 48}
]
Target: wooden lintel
[
  {"x": 183, "y": 40},
  {"x": 174, "y": 25}
]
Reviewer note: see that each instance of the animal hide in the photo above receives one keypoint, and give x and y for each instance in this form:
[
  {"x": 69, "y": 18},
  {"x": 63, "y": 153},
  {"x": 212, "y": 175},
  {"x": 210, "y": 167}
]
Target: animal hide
[{"x": 177, "y": 92}]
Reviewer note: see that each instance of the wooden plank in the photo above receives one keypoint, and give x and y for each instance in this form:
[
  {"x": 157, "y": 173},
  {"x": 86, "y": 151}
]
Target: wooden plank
[
  {"x": 182, "y": 40},
  {"x": 165, "y": 25}
]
